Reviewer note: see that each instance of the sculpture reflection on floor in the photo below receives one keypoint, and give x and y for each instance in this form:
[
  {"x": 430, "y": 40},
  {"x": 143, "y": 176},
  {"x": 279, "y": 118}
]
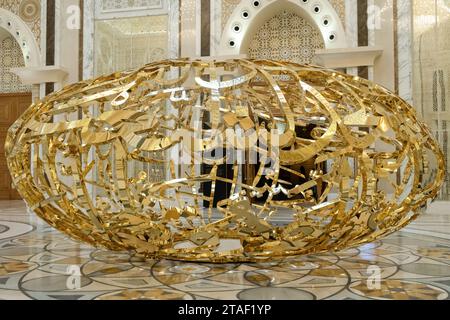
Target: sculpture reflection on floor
[{"x": 72, "y": 156}]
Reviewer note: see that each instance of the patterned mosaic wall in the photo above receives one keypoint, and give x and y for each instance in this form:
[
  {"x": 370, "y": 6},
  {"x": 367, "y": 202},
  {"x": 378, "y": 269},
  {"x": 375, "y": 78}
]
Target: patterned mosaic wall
[
  {"x": 227, "y": 10},
  {"x": 29, "y": 11},
  {"x": 10, "y": 57},
  {"x": 339, "y": 6},
  {"x": 286, "y": 36},
  {"x": 432, "y": 70}
]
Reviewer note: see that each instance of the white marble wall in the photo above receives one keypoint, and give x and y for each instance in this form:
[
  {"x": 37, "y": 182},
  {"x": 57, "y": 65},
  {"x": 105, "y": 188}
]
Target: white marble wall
[
  {"x": 431, "y": 73},
  {"x": 93, "y": 10},
  {"x": 371, "y": 35},
  {"x": 404, "y": 44},
  {"x": 43, "y": 43}
]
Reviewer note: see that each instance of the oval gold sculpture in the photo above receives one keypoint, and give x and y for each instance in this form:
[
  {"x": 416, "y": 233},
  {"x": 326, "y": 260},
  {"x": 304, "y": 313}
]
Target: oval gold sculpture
[{"x": 224, "y": 161}]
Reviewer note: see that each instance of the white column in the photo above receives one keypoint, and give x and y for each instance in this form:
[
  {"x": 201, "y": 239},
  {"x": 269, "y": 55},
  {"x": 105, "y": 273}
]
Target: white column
[
  {"x": 351, "y": 28},
  {"x": 67, "y": 39},
  {"x": 371, "y": 32},
  {"x": 174, "y": 29},
  {"x": 43, "y": 42},
  {"x": 190, "y": 28},
  {"x": 88, "y": 39},
  {"x": 216, "y": 26},
  {"x": 404, "y": 44},
  {"x": 384, "y": 68}
]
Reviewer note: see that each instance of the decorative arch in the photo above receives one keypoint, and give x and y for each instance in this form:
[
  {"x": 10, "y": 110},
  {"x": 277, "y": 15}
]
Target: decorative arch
[
  {"x": 250, "y": 15},
  {"x": 23, "y": 35}
]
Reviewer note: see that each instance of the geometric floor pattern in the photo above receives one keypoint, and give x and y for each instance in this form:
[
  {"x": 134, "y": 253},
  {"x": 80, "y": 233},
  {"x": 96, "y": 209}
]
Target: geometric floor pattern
[{"x": 38, "y": 262}]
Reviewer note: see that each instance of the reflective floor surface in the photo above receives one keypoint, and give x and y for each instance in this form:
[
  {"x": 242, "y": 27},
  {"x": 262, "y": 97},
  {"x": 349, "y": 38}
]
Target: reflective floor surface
[{"x": 37, "y": 262}]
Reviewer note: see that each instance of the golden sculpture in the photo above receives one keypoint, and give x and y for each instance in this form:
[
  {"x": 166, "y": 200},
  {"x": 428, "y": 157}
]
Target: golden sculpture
[{"x": 133, "y": 161}]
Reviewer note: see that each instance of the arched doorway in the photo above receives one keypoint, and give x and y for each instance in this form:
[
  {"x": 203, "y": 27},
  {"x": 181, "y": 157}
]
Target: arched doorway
[
  {"x": 18, "y": 49},
  {"x": 10, "y": 57},
  {"x": 15, "y": 98},
  {"x": 287, "y": 37},
  {"x": 250, "y": 16},
  {"x": 288, "y": 30},
  {"x": 14, "y": 26}
]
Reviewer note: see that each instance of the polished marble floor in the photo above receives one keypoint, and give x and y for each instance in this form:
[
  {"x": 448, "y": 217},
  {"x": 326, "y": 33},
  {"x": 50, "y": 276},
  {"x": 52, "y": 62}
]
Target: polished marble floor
[{"x": 37, "y": 262}]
